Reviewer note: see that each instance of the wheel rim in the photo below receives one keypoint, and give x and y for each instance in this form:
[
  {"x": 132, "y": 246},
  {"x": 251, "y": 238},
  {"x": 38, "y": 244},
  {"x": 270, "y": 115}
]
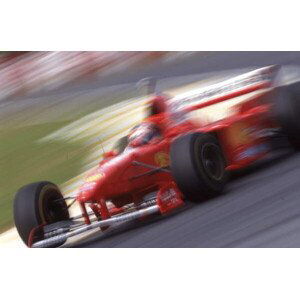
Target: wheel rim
[
  {"x": 50, "y": 205},
  {"x": 212, "y": 161}
]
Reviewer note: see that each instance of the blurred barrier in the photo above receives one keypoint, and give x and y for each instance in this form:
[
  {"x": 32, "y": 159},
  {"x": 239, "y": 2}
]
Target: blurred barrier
[{"x": 32, "y": 71}]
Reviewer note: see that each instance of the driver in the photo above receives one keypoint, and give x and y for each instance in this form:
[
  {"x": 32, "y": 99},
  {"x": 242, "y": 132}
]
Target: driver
[
  {"x": 150, "y": 128},
  {"x": 157, "y": 105},
  {"x": 142, "y": 134},
  {"x": 152, "y": 125}
]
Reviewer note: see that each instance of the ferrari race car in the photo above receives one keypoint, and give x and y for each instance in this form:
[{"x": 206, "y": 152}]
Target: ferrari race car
[{"x": 168, "y": 159}]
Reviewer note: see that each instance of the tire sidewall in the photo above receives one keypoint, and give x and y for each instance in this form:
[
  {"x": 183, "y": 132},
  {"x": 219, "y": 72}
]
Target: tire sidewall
[
  {"x": 188, "y": 169},
  {"x": 200, "y": 143},
  {"x": 29, "y": 207},
  {"x": 287, "y": 111}
]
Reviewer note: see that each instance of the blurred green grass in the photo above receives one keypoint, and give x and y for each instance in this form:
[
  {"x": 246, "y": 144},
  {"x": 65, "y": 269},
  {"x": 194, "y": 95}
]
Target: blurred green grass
[{"x": 24, "y": 160}]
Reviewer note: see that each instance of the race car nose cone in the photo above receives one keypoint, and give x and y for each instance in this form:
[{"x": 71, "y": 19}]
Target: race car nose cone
[{"x": 86, "y": 192}]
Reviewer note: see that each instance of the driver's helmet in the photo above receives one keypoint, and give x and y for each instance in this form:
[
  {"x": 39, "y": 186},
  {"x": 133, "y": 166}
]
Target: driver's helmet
[
  {"x": 142, "y": 134},
  {"x": 156, "y": 105}
]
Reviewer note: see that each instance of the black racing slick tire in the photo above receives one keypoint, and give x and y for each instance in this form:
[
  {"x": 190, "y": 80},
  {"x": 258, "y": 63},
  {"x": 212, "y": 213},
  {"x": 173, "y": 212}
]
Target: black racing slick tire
[
  {"x": 198, "y": 166},
  {"x": 37, "y": 204},
  {"x": 287, "y": 112}
]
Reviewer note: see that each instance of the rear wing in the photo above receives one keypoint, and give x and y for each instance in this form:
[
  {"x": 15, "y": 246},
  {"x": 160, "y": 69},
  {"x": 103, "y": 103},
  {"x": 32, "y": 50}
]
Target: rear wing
[{"x": 240, "y": 85}]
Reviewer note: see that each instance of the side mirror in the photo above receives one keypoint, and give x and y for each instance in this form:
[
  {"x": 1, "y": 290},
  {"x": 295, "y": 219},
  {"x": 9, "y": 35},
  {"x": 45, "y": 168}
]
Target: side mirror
[{"x": 149, "y": 84}]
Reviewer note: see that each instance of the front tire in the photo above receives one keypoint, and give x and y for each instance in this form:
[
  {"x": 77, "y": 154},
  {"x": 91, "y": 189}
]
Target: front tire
[
  {"x": 37, "y": 204},
  {"x": 198, "y": 166}
]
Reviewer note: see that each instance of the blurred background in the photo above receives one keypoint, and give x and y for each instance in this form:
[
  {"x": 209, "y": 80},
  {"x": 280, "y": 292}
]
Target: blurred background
[{"x": 60, "y": 110}]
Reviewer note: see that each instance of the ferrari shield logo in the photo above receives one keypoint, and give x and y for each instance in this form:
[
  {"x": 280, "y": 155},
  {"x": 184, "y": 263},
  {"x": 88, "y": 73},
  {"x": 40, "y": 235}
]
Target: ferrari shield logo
[{"x": 162, "y": 159}]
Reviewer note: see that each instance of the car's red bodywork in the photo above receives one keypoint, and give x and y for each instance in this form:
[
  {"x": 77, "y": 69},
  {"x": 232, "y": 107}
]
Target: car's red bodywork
[{"x": 124, "y": 179}]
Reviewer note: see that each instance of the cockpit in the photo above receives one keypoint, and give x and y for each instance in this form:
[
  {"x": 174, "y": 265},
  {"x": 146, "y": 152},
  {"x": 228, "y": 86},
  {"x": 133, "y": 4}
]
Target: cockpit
[{"x": 143, "y": 134}]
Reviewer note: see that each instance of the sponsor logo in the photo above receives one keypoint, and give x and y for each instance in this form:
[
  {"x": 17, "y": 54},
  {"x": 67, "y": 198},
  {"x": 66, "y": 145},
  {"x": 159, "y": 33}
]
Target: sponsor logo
[
  {"x": 162, "y": 159},
  {"x": 239, "y": 134},
  {"x": 169, "y": 196},
  {"x": 253, "y": 151},
  {"x": 94, "y": 177}
]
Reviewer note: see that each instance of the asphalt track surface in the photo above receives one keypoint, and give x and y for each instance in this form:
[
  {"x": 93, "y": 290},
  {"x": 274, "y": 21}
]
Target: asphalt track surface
[{"x": 260, "y": 208}]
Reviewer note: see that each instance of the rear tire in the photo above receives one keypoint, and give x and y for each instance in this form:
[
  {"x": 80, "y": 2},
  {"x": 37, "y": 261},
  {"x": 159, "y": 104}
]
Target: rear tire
[
  {"x": 287, "y": 112},
  {"x": 37, "y": 204},
  {"x": 198, "y": 166}
]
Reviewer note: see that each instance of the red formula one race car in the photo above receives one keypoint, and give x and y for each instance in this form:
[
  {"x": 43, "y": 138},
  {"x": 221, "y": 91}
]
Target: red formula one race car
[{"x": 168, "y": 159}]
